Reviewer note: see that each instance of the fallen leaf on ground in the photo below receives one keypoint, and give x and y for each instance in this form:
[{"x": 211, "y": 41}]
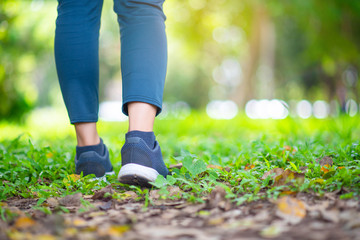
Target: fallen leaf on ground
[
  {"x": 291, "y": 209},
  {"x": 325, "y": 168},
  {"x": 327, "y": 160},
  {"x": 52, "y": 202},
  {"x": 24, "y": 222},
  {"x": 248, "y": 166},
  {"x": 217, "y": 198},
  {"x": 281, "y": 177},
  {"x": 288, "y": 176},
  {"x": 117, "y": 231},
  {"x": 104, "y": 194},
  {"x": 290, "y": 149},
  {"x": 275, "y": 171},
  {"x": 71, "y": 200},
  {"x": 70, "y": 179}
]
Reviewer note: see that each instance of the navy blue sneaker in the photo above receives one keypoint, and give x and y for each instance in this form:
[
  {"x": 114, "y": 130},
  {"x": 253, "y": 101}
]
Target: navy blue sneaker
[
  {"x": 140, "y": 164},
  {"x": 91, "y": 162}
]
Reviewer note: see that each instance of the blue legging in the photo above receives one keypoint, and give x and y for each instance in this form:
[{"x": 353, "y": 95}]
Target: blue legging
[{"x": 143, "y": 54}]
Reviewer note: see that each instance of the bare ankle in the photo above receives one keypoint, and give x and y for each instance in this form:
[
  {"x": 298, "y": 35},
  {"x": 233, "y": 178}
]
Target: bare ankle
[
  {"x": 86, "y": 134},
  {"x": 141, "y": 116}
]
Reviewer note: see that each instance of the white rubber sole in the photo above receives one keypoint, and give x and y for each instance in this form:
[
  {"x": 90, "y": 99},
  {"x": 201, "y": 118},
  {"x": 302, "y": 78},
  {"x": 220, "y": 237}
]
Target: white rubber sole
[{"x": 133, "y": 170}]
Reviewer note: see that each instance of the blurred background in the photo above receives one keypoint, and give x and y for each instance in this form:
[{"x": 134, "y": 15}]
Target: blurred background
[{"x": 263, "y": 58}]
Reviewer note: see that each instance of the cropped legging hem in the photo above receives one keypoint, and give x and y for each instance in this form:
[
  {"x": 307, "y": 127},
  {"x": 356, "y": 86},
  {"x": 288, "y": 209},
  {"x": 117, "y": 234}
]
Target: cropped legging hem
[
  {"x": 144, "y": 99},
  {"x": 83, "y": 119},
  {"x": 136, "y": 98}
]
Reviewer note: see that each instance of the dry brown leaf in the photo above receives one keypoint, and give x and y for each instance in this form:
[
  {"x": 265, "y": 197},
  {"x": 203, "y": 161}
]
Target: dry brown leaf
[
  {"x": 24, "y": 222},
  {"x": 275, "y": 171},
  {"x": 71, "y": 200},
  {"x": 289, "y": 149},
  {"x": 327, "y": 160},
  {"x": 217, "y": 195},
  {"x": 291, "y": 209},
  {"x": 52, "y": 202},
  {"x": 104, "y": 194},
  {"x": 287, "y": 176},
  {"x": 248, "y": 166},
  {"x": 325, "y": 168}
]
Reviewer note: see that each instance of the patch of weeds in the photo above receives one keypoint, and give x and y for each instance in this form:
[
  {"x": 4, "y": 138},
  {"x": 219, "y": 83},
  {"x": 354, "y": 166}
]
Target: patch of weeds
[{"x": 234, "y": 154}]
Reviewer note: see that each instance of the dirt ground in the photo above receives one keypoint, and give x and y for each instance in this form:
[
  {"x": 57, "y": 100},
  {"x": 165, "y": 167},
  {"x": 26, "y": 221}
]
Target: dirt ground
[{"x": 300, "y": 216}]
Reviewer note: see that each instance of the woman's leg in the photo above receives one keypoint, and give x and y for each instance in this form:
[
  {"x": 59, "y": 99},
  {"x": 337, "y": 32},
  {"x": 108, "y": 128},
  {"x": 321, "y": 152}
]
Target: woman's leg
[
  {"x": 143, "y": 51},
  {"x": 143, "y": 66},
  {"x": 77, "y": 63},
  {"x": 77, "y": 57}
]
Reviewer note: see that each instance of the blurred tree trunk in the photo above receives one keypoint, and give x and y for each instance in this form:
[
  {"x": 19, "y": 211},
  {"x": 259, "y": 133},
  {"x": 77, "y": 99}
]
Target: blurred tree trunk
[{"x": 260, "y": 59}]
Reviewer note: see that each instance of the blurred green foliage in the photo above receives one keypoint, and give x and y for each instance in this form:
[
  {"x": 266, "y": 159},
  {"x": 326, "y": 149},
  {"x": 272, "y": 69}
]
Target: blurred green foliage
[
  {"x": 283, "y": 49},
  {"x": 25, "y": 47}
]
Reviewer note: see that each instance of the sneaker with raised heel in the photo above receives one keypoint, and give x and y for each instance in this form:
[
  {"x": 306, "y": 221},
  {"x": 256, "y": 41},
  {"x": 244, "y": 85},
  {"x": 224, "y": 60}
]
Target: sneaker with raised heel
[
  {"x": 140, "y": 163},
  {"x": 91, "y": 162}
]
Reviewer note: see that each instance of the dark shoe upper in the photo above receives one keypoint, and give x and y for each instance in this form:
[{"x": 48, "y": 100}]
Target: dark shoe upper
[
  {"x": 136, "y": 151},
  {"x": 91, "y": 162}
]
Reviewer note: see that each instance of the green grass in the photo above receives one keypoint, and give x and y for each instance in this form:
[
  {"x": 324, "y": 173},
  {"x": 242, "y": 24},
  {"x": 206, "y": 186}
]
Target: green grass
[{"x": 37, "y": 164}]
